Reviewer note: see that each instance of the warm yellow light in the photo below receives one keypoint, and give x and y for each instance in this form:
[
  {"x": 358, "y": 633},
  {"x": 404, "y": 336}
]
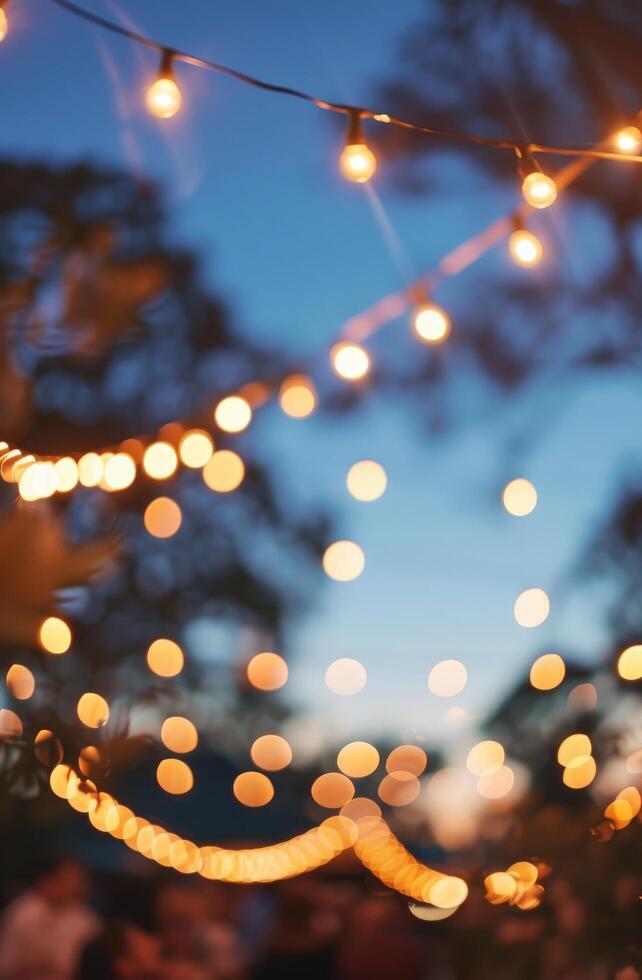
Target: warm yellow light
[
  {"x": 174, "y": 776},
  {"x": 224, "y": 472},
  {"x": 165, "y": 658},
  {"x": 448, "y": 892},
  {"x": 332, "y": 790},
  {"x": 119, "y": 472},
  {"x": 573, "y": 747},
  {"x": 271, "y": 752},
  {"x": 357, "y": 162},
  {"x": 47, "y": 748},
  {"x": 233, "y": 414},
  {"x": 163, "y": 99},
  {"x": 580, "y": 773},
  {"x": 93, "y": 710},
  {"x": 90, "y": 470},
  {"x": 629, "y": 664},
  {"x": 179, "y": 734},
  {"x": 525, "y": 247},
  {"x": 297, "y": 396},
  {"x": 367, "y": 480},
  {"x": 10, "y": 724},
  {"x": 408, "y": 759},
  {"x": 399, "y": 789},
  {"x": 344, "y": 561},
  {"x": 485, "y": 757},
  {"x": 547, "y": 672},
  {"x": 37, "y": 481},
  {"x": 66, "y": 471},
  {"x": 447, "y": 678},
  {"x": 4, "y": 24},
  {"x": 497, "y": 784},
  {"x": 358, "y": 759},
  {"x": 20, "y": 682},
  {"x": 162, "y": 517},
  {"x": 196, "y": 448},
  {"x": 54, "y": 635},
  {"x": 628, "y": 140},
  {"x": 267, "y": 671},
  {"x": 160, "y": 460},
  {"x": 345, "y": 676},
  {"x": 431, "y": 323},
  {"x": 519, "y": 497},
  {"x": 531, "y": 608},
  {"x": 539, "y": 190},
  {"x": 350, "y": 361},
  {"x": 253, "y": 789}
]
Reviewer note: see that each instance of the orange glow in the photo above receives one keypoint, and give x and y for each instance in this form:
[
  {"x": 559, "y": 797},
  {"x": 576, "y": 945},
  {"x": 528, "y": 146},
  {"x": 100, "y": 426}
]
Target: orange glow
[
  {"x": 399, "y": 789},
  {"x": 10, "y": 724},
  {"x": 350, "y": 361},
  {"x": 431, "y": 323},
  {"x": 531, "y": 608},
  {"x": 297, "y": 396},
  {"x": 267, "y": 671},
  {"x": 160, "y": 460},
  {"x": 163, "y": 517},
  {"x": 500, "y": 887},
  {"x": 358, "y": 759},
  {"x": 619, "y": 813},
  {"x": 407, "y": 759},
  {"x": 496, "y": 784},
  {"x": 54, "y": 635},
  {"x": 174, "y": 776},
  {"x": 37, "y": 481},
  {"x": 119, "y": 472},
  {"x": 634, "y": 762},
  {"x": 47, "y": 748},
  {"x": 271, "y": 752},
  {"x": 632, "y": 796},
  {"x": 629, "y": 665},
  {"x": 628, "y": 140},
  {"x": 580, "y": 773},
  {"x": 253, "y": 789},
  {"x": 4, "y": 24},
  {"x": 547, "y": 672},
  {"x": 179, "y": 734},
  {"x": 90, "y": 470},
  {"x": 357, "y": 163},
  {"x": 344, "y": 561},
  {"x": 573, "y": 747},
  {"x": 89, "y": 759},
  {"x": 332, "y": 790},
  {"x": 519, "y": 497},
  {"x": 165, "y": 658},
  {"x": 195, "y": 448},
  {"x": 345, "y": 676},
  {"x": 367, "y": 480},
  {"x": 233, "y": 414},
  {"x": 93, "y": 710},
  {"x": 485, "y": 757},
  {"x": 583, "y": 697},
  {"x": 66, "y": 474},
  {"x": 59, "y": 780},
  {"x": 447, "y": 678},
  {"x": 224, "y": 472},
  {"x": 163, "y": 99},
  {"x": 20, "y": 682},
  {"x": 539, "y": 190},
  {"x": 448, "y": 892},
  {"x": 525, "y": 247}
]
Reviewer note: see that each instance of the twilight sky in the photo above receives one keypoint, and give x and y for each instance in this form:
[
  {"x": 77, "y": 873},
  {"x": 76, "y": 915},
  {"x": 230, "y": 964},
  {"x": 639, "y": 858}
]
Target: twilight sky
[{"x": 253, "y": 186}]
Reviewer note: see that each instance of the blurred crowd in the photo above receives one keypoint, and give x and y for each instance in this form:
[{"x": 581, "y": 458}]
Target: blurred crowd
[{"x": 336, "y": 926}]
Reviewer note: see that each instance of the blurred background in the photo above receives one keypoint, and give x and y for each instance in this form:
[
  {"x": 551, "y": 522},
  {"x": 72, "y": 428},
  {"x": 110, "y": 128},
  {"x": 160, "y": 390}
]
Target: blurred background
[{"x": 148, "y": 268}]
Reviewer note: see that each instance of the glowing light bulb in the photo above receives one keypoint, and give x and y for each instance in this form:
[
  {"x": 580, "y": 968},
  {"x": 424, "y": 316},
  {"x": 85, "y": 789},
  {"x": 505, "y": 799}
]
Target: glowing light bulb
[
  {"x": 4, "y": 24},
  {"x": 350, "y": 361},
  {"x": 539, "y": 189},
  {"x": 163, "y": 99},
  {"x": 628, "y": 140},
  {"x": 431, "y": 323},
  {"x": 525, "y": 247},
  {"x": 358, "y": 163}
]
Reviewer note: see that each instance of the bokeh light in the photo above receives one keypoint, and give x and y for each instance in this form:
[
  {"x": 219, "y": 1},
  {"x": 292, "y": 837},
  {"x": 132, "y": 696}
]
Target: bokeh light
[
  {"x": 332, "y": 790},
  {"x": 367, "y": 480},
  {"x": 163, "y": 517},
  {"x": 165, "y": 658},
  {"x": 174, "y": 776},
  {"x": 350, "y": 361},
  {"x": 628, "y": 140},
  {"x": 573, "y": 747},
  {"x": 10, "y": 724},
  {"x": 54, "y": 635},
  {"x": 93, "y": 710},
  {"x": 519, "y": 497},
  {"x": 344, "y": 561},
  {"x": 66, "y": 473},
  {"x": 271, "y": 752},
  {"x": 357, "y": 163},
  {"x": 357, "y": 759},
  {"x": 629, "y": 665},
  {"x": 90, "y": 470},
  {"x": 345, "y": 676},
  {"x": 267, "y": 671},
  {"x": 179, "y": 734},
  {"x": 531, "y": 608},
  {"x": 195, "y": 448},
  {"x": 539, "y": 190},
  {"x": 253, "y": 789},
  {"x": 409, "y": 759},
  {"x": 163, "y": 98},
  {"x": 496, "y": 784},
  {"x": 447, "y": 678},
  {"x": 224, "y": 472},
  {"x": 119, "y": 472},
  {"x": 485, "y": 758},
  {"x": 547, "y": 672},
  {"x": 297, "y": 396},
  {"x": 233, "y": 414},
  {"x": 399, "y": 789},
  {"x": 20, "y": 682},
  {"x": 160, "y": 460},
  {"x": 525, "y": 247},
  {"x": 580, "y": 773},
  {"x": 431, "y": 323}
]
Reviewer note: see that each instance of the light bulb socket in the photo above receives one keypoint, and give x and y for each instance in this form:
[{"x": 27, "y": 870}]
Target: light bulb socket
[
  {"x": 355, "y": 128},
  {"x": 526, "y": 164},
  {"x": 418, "y": 295},
  {"x": 166, "y": 69},
  {"x": 517, "y": 222}
]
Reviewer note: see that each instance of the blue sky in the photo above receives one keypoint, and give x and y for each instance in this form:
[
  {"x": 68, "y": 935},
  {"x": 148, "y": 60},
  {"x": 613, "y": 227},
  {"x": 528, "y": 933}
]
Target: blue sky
[{"x": 252, "y": 185}]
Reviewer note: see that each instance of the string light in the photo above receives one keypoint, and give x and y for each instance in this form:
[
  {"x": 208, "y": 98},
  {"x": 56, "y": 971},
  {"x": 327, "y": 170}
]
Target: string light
[
  {"x": 350, "y": 361},
  {"x": 538, "y": 189},
  {"x": 357, "y": 161},
  {"x": 628, "y": 140},
  {"x": 163, "y": 99},
  {"x": 233, "y": 414},
  {"x": 4, "y": 21},
  {"x": 525, "y": 247},
  {"x": 431, "y": 323}
]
